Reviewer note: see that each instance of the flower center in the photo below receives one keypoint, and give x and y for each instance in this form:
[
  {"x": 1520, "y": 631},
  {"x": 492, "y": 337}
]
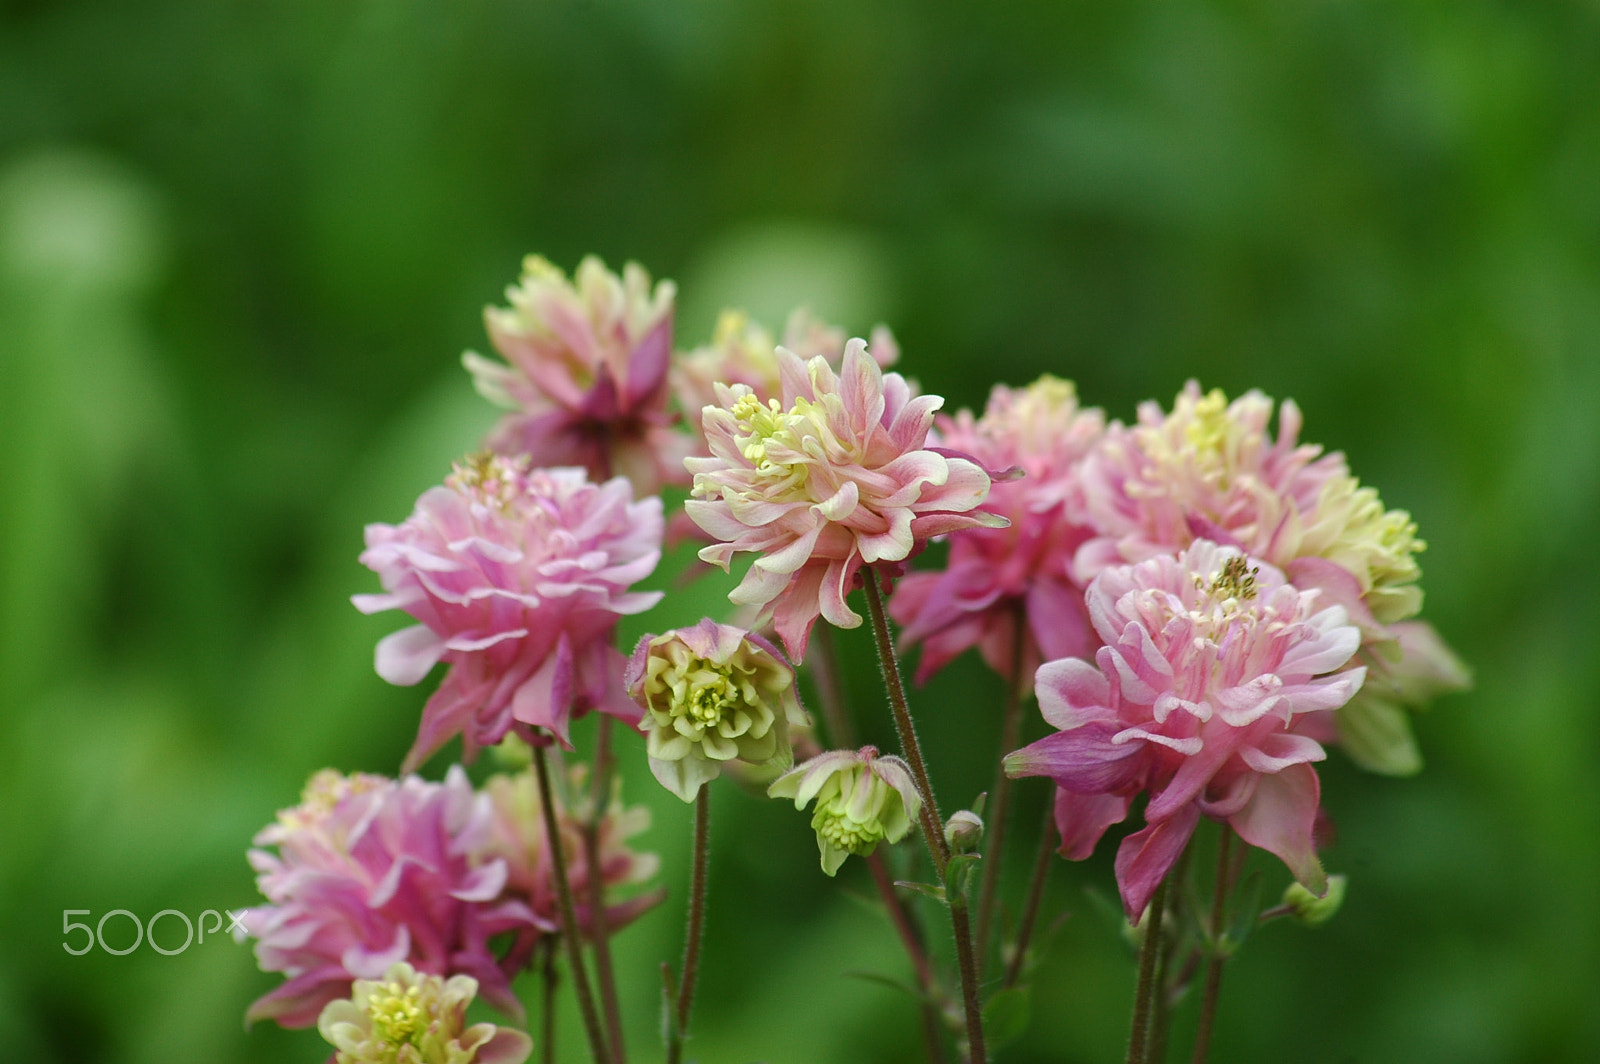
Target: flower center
[
  {"x": 487, "y": 478},
  {"x": 397, "y": 1014},
  {"x": 840, "y": 830},
  {"x": 1237, "y": 580},
  {"x": 761, "y": 425},
  {"x": 1208, "y": 432},
  {"x": 712, "y": 694}
]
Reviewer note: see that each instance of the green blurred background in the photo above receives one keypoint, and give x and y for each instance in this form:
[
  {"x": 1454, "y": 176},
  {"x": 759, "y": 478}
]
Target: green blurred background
[{"x": 242, "y": 246}]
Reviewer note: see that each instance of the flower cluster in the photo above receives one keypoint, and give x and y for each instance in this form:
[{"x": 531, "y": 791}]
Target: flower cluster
[
  {"x": 1202, "y": 606},
  {"x": 518, "y": 576},
  {"x": 832, "y": 476},
  {"x": 370, "y": 871}
]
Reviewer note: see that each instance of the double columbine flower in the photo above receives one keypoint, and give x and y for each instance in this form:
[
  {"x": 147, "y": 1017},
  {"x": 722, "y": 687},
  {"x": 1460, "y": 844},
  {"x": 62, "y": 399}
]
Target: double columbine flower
[
  {"x": 519, "y": 576},
  {"x": 1211, "y": 693},
  {"x": 587, "y": 373},
  {"x": 408, "y": 1017},
  {"x": 712, "y": 693},
  {"x": 862, "y": 799},
  {"x": 1005, "y": 584},
  {"x": 830, "y": 477},
  {"x": 1212, "y": 469},
  {"x": 371, "y": 871}
]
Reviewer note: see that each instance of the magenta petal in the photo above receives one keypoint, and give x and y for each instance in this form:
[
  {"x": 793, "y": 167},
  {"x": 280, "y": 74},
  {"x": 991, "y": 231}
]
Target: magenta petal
[
  {"x": 1083, "y": 759},
  {"x": 1081, "y": 819},
  {"x": 1145, "y": 857},
  {"x": 1279, "y": 819}
]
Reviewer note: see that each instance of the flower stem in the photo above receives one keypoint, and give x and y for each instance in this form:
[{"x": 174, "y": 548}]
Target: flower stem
[
  {"x": 1219, "y": 913},
  {"x": 1145, "y": 992},
  {"x": 696, "y": 927},
  {"x": 932, "y": 824},
  {"x": 570, "y": 932},
  {"x": 1030, "y": 908},
  {"x": 604, "y": 972},
  {"x": 841, "y": 733},
  {"x": 547, "y": 989},
  {"x": 999, "y": 797}
]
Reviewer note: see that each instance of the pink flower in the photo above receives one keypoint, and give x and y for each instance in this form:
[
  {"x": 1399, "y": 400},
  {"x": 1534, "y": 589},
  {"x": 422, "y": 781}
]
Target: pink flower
[
  {"x": 372, "y": 871},
  {"x": 832, "y": 477},
  {"x": 1211, "y": 468},
  {"x": 1000, "y": 579},
  {"x": 1211, "y": 693},
  {"x": 587, "y": 377},
  {"x": 517, "y": 837},
  {"x": 743, "y": 352},
  {"x": 518, "y": 576}
]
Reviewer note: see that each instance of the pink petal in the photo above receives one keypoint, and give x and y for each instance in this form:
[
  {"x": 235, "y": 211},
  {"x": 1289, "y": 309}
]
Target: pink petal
[
  {"x": 1279, "y": 819},
  {"x": 1145, "y": 858},
  {"x": 405, "y": 657}
]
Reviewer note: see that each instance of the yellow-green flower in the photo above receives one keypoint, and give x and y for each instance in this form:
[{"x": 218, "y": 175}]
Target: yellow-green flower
[
  {"x": 411, "y": 1018},
  {"x": 711, "y": 694},
  {"x": 862, "y": 799}
]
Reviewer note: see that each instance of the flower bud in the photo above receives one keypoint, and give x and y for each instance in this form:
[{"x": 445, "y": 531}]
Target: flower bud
[
  {"x": 964, "y": 831},
  {"x": 861, "y": 799},
  {"x": 1310, "y": 909}
]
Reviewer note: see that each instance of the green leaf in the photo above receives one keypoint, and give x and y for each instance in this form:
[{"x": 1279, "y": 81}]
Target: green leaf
[
  {"x": 927, "y": 889},
  {"x": 958, "y": 873}
]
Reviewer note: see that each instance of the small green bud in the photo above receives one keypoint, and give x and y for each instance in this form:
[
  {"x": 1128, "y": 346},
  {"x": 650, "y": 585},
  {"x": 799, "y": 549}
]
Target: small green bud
[
  {"x": 964, "y": 831},
  {"x": 1310, "y": 909}
]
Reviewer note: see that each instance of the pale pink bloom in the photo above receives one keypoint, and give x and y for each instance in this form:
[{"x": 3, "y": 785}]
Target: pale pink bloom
[
  {"x": 518, "y": 576},
  {"x": 833, "y": 476},
  {"x": 1000, "y": 580},
  {"x": 517, "y": 837},
  {"x": 743, "y": 352},
  {"x": 1211, "y": 693},
  {"x": 408, "y": 1017},
  {"x": 1212, "y": 469},
  {"x": 587, "y": 373},
  {"x": 371, "y": 871}
]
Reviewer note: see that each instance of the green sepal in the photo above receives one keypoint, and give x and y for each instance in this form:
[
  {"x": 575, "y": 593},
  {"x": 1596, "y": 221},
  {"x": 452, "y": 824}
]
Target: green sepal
[{"x": 1375, "y": 731}]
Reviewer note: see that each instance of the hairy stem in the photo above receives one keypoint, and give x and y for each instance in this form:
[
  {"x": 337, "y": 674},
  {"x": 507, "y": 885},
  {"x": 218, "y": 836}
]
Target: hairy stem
[
  {"x": 932, "y": 824},
  {"x": 599, "y": 796},
  {"x": 1219, "y": 915},
  {"x": 571, "y": 933},
  {"x": 999, "y": 797},
  {"x": 1030, "y": 910},
  {"x": 1140, "y": 1030},
  {"x": 696, "y": 926}
]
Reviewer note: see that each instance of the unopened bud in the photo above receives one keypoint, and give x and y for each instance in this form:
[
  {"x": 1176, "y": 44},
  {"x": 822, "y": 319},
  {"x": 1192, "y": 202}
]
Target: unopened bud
[
  {"x": 964, "y": 831},
  {"x": 1310, "y": 909}
]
